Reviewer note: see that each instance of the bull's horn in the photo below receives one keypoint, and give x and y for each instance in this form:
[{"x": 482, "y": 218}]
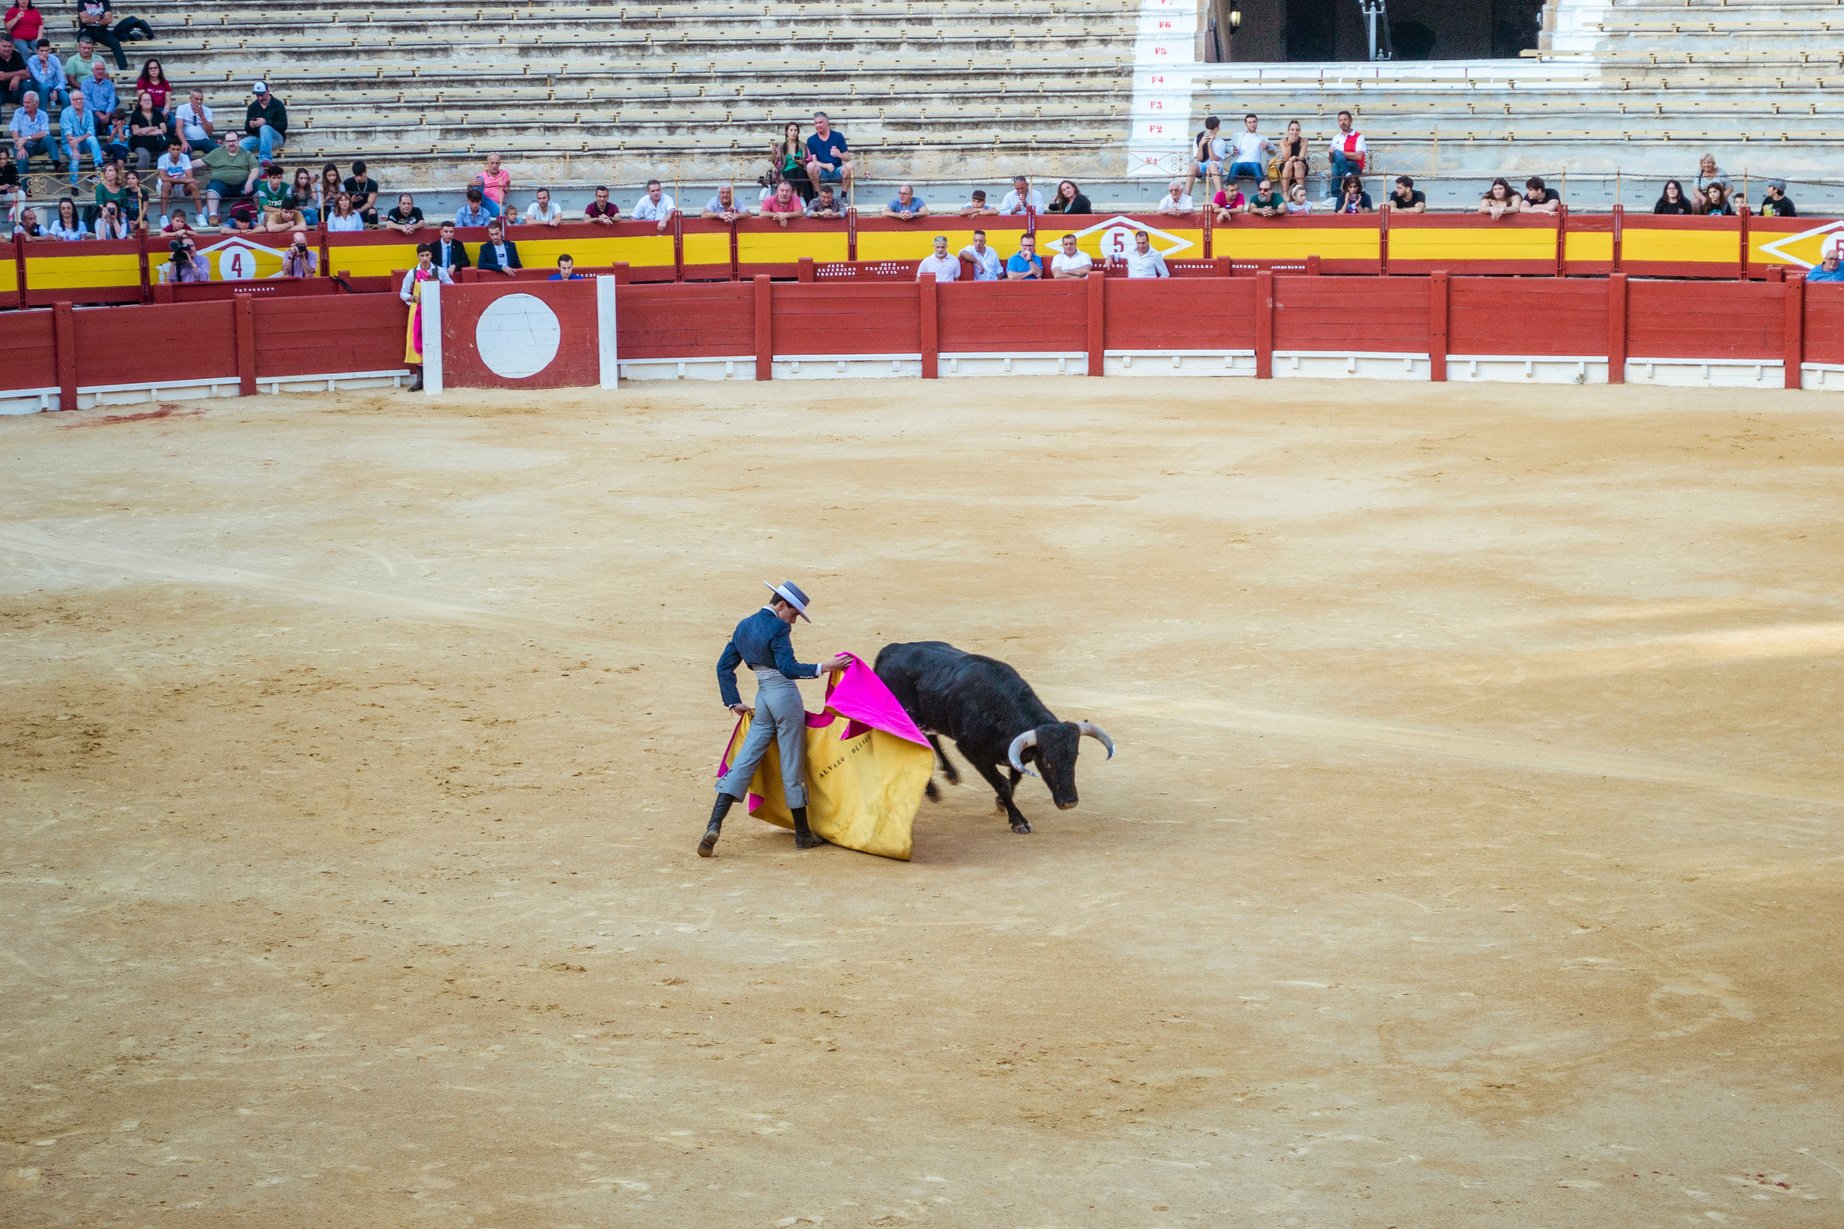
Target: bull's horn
[
  {"x": 1026, "y": 739},
  {"x": 1094, "y": 731}
]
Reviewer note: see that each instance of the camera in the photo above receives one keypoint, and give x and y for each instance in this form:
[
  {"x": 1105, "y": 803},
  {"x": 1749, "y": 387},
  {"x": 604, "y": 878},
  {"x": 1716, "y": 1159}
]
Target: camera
[{"x": 179, "y": 247}]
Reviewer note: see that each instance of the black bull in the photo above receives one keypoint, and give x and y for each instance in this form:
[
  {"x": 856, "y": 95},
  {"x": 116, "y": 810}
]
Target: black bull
[{"x": 993, "y": 717}]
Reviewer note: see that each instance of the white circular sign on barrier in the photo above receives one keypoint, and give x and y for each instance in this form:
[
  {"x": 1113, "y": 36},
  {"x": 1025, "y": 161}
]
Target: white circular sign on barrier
[{"x": 517, "y": 336}]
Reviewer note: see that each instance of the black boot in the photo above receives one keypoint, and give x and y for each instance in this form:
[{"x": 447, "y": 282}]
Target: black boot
[
  {"x": 715, "y": 828},
  {"x": 416, "y": 385},
  {"x": 803, "y": 835}
]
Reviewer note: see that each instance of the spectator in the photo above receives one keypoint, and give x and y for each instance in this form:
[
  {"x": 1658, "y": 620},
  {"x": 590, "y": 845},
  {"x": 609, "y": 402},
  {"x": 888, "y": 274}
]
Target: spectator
[
  {"x": 15, "y": 77},
  {"x": 1176, "y": 202},
  {"x": 987, "y": 264},
  {"x": 601, "y": 210},
  {"x": 110, "y": 224},
  {"x": 723, "y": 207},
  {"x": 783, "y": 205},
  {"x": 31, "y": 132},
  {"x": 1022, "y": 197},
  {"x": 93, "y": 19},
  {"x": 1025, "y": 266},
  {"x": 27, "y": 225},
  {"x": 1208, "y": 153},
  {"x": 1707, "y": 174},
  {"x": 79, "y": 129},
  {"x": 153, "y": 81},
  {"x": 1738, "y": 204},
  {"x": 230, "y": 171},
  {"x": 494, "y": 183},
  {"x": 1251, "y": 151},
  {"x": 1778, "y": 204},
  {"x": 826, "y": 203},
  {"x": 265, "y": 122},
  {"x": 425, "y": 272},
  {"x": 788, "y": 162},
  {"x": 134, "y": 197},
  {"x": 327, "y": 188},
  {"x": 447, "y": 251},
  {"x": 301, "y": 187},
  {"x": 906, "y": 206},
  {"x": 82, "y": 65},
  {"x": 345, "y": 218},
  {"x": 284, "y": 214},
  {"x": 364, "y": 190},
  {"x": 1828, "y": 269},
  {"x": 566, "y": 270},
  {"x": 1069, "y": 199},
  {"x": 474, "y": 212},
  {"x": 46, "y": 73},
  {"x": 1266, "y": 201},
  {"x": 25, "y": 25},
  {"x": 195, "y": 124},
  {"x": 655, "y": 206},
  {"x": 1070, "y": 262},
  {"x": 404, "y": 215},
  {"x": 112, "y": 131},
  {"x": 175, "y": 170},
  {"x": 1296, "y": 200},
  {"x": 1229, "y": 202},
  {"x": 1539, "y": 199},
  {"x": 1142, "y": 261},
  {"x": 65, "y": 223},
  {"x": 499, "y": 254},
  {"x": 826, "y": 155},
  {"x": 1349, "y": 151},
  {"x": 1295, "y": 164},
  {"x": 976, "y": 206},
  {"x": 177, "y": 224},
  {"x": 300, "y": 260},
  {"x": 1352, "y": 198},
  {"x": 1406, "y": 197},
  {"x": 543, "y": 211},
  {"x": 946, "y": 268},
  {"x": 147, "y": 130},
  {"x": 270, "y": 193},
  {"x": 1499, "y": 200},
  {"x": 184, "y": 264},
  {"x": 1673, "y": 200},
  {"x": 1716, "y": 201},
  {"x": 99, "y": 92}
]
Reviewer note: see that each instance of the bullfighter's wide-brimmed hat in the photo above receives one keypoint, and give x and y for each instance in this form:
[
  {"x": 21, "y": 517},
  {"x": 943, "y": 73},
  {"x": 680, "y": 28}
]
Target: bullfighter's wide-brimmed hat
[{"x": 790, "y": 593}]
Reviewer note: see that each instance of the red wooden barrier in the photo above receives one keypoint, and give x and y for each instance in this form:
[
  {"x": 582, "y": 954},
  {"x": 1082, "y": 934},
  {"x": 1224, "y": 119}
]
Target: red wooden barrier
[
  {"x": 687, "y": 321},
  {"x": 1014, "y": 317},
  {"x": 1824, "y": 323},
  {"x": 1388, "y": 316},
  {"x": 1181, "y": 315},
  {"x": 1531, "y": 316},
  {"x": 29, "y": 342},
  {"x": 1713, "y": 320},
  {"x": 159, "y": 344},
  {"x": 319, "y": 336},
  {"x": 847, "y": 318}
]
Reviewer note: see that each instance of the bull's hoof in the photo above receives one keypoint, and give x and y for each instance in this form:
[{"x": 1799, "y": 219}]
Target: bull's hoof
[
  {"x": 931, "y": 793},
  {"x": 1021, "y": 825}
]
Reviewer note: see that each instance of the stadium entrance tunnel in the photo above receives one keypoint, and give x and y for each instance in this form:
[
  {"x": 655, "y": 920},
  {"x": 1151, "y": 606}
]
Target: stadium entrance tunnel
[{"x": 1324, "y": 31}]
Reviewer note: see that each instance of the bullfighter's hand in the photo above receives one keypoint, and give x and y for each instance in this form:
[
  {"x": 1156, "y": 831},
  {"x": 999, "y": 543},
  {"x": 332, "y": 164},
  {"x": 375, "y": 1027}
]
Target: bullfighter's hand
[{"x": 742, "y": 710}]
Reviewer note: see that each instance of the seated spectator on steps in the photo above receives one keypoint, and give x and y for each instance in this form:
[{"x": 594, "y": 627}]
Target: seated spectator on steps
[
  {"x": 404, "y": 215},
  {"x": 1252, "y": 151},
  {"x": 195, "y": 125},
  {"x": 81, "y": 66},
  {"x": 1025, "y": 266},
  {"x": 1295, "y": 165},
  {"x": 1708, "y": 173},
  {"x": 826, "y": 203},
  {"x": 265, "y": 122},
  {"x": 988, "y": 265},
  {"x": 1022, "y": 197},
  {"x": 1070, "y": 262},
  {"x": 906, "y": 206},
  {"x": 566, "y": 270},
  {"x": 1406, "y": 197},
  {"x": 976, "y": 206},
  {"x": 134, "y": 197},
  {"x": 1296, "y": 200},
  {"x": 784, "y": 205},
  {"x": 364, "y": 190},
  {"x": 1352, "y": 198},
  {"x": 827, "y": 160},
  {"x": 1229, "y": 202},
  {"x": 723, "y": 207},
  {"x": 495, "y": 182},
  {"x": 1069, "y": 199},
  {"x": 448, "y": 251},
  {"x": 15, "y": 78},
  {"x": 1266, "y": 201},
  {"x": 1829, "y": 270},
  {"x": 99, "y": 91},
  {"x": 654, "y": 206},
  {"x": 300, "y": 260},
  {"x": 1209, "y": 155},
  {"x": 787, "y": 159},
  {"x": 1348, "y": 149},
  {"x": 153, "y": 81},
  {"x": 25, "y": 25},
  {"x": 66, "y": 223},
  {"x": 272, "y": 197},
  {"x": 498, "y": 254},
  {"x": 1176, "y": 202},
  {"x": 474, "y": 211},
  {"x": 1778, "y": 204},
  {"x": 945, "y": 267},
  {"x": 1499, "y": 200},
  {"x": 95, "y": 19},
  {"x": 31, "y": 132},
  {"x": 543, "y": 211},
  {"x": 1672, "y": 200},
  {"x": 175, "y": 171},
  {"x": 79, "y": 129},
  {"x": 344, "y": 217},
  {"x": 601, "y": 210},
  {"x": 184, "y": 264},
  {"x": 1716, "y": 202},
  {"x": 110, "y": 224},
  {"x": 113, "y": 133},
  {"x": 1142, "y": 261},
  {"x": 45, "y": 72},
  {"x": 301, "y": 187},
  {"x": 1538, "y": 198}
]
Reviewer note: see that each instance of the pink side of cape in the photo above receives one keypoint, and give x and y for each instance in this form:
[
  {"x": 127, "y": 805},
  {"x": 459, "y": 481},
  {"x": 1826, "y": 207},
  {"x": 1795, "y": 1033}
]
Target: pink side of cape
[{"x": 863, "y": 700}]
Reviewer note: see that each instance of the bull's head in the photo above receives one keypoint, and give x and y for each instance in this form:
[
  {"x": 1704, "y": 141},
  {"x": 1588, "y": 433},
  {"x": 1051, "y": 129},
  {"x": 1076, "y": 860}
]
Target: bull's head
[{"x": 1054, "y": 748}]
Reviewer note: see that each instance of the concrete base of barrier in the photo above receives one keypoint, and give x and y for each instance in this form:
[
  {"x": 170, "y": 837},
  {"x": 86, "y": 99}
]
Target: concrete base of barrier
[
  {"x": 1512, "y": 369},
  {"x": 1179, "y": 363},
  {"x": 1073, "y": 363},
  {"x": 730, "y": 367},
  {"x": 1822, "y": 376},
  {"x": 1318, "y": 366},
  {"x": 1705, "y": 373},
  {"x": 847, "y": 366}
]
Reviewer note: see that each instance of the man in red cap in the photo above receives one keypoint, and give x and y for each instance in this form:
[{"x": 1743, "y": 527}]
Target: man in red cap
[{"x": 764, "y": 643}]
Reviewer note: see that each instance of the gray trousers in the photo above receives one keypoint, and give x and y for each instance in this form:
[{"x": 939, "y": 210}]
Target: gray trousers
[{"x": 780, "y": 717}]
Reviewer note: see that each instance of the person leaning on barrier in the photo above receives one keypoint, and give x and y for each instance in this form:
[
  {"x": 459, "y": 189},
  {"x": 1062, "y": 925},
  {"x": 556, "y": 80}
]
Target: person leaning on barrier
[
  {"x": 723, "y": 207},
  {"x": 1176, "y": 202},
  {"x": 1777, "y": 203},
  {"x": 184, "y": 264},
  {"x": 976, "y": 206},
  {"x": 110, "y": 224},
  {"x": 300, "y": 260},
  {"x": 475, "y": 212},
  {"x": 1406, "y": 197},
  {"x": 784, "y": 205},
  {"x": 946, "y": 268},
  {"x": 404, "y": 216},
  {"x": 654, "y": 205},
  {"x": 447, "y": 251},
  {"x": 906, "y": 206},
  {"x": 1022, "y": 197},
  {"x": 988, "y": 265},
  {"x": 543, "y": 211},
  {"x": 1672, "y": 200},
  {"x": 826, "y": 203},
  {"x": 1828, "y": 269},
  {"x": 1266, "y": 201},
  {"x": 1142, "y": 261},
  {"x": 1540, "y": 199},
  {"x": 1499, "y": 200},
  {"x": 601, "y": 210}
]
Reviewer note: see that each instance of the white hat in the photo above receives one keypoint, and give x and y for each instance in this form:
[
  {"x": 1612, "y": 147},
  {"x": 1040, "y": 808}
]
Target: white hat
[
  {"x": 261, "y": 87},
  {"x": 790, "y": 593}
]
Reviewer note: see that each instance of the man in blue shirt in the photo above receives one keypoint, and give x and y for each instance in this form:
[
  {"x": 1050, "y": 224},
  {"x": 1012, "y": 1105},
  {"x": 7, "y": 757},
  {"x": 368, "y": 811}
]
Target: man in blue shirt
[
  {"x": 475, "y": 212},
  {"x": 1828, "y": 270},
  {"x": 826, "y": 160},
  {"x": 566, "y": 271},
  {"x": 763, "y": 643},
  {"x": 31, "y": 132},
  {"x": 1025, "y": 266}
]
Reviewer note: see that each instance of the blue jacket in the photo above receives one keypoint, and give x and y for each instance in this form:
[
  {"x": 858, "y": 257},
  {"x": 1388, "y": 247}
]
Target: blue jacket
[{"x": 760, "y": 640}]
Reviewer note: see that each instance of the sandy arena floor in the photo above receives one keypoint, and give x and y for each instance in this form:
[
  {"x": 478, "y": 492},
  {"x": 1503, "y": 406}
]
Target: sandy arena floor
[{"x": 1473, "y": 857}]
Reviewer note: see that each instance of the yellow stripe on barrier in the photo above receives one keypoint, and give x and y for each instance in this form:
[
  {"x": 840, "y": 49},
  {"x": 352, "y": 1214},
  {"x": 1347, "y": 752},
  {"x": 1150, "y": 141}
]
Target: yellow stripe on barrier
[
  {"x": 1809, "y": 248},
  {"x": 1297, "y": 243},
  {"x": 707, "y": 249},
  {"x": 639, "y": 251},
  {"x": 775, "y": 247},
  {"x": 1586, "y": 245},
  {"x": 1455, "y": 243},
  {"x": 1680, "y": 246},
  {"x": 52, "y": 270},
  {"x": 373, "y": 259}
]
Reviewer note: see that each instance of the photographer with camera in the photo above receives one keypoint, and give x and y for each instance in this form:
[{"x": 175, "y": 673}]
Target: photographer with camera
[
  {"x": 300, "y": 260},
  {"x": 110, "y": 224},
  {"x": 185, "y": 264}
]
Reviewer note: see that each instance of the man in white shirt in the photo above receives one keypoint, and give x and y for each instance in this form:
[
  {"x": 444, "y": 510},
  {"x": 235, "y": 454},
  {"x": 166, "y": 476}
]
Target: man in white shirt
[
  {"x": 1021, "y": 197},
  {"x": 1252, "y": 151},
  {"x": 1176, "y": 201},
  {"x": 945, "y": 267},
  {"x": 987, "y": 266},
  {"x": 1142, "y": 261},
  {"x": 1069, "y": 262},
  {"x": 543, "y": 210},
  {"x": 195, "y": 124},
  {"x": 1348, "y": 150},
  {"x": 655, "y": 206}
]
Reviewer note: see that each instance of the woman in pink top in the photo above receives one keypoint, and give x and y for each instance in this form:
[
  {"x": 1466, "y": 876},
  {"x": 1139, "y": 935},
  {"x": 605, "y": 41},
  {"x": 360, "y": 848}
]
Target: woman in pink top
[{"x": 494, "y": 181}]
